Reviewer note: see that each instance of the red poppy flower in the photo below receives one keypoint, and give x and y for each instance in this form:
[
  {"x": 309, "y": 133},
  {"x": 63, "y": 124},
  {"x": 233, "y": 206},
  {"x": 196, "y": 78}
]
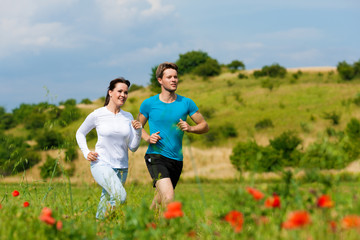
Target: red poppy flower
[
  {"x": 297, "y": 219},
  {"x": 15, "y": 193},
  {"x": 255, "y": 193},
  {"x": 324, "y": 201},
  {"x": 59, "y": 225},
  {"x": 0, "y": 206},
  {"x": 173, "y": 210},
  {"x": 151, "y": 225},
  {"x": 273, "y": 202},
  {"x": 351, "y": 221},
  {"x": 26, "y": 204},
  {"x": 236, "y": 219},
  {"x": 333, "y": 226},
  {"x": 46, "y": 216}
]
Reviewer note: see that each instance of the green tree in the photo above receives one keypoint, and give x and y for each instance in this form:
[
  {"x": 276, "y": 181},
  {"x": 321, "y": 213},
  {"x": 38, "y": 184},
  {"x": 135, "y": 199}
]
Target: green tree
[
  {"x": 209, "y": 68},
  {"x": 189, "y": 61},
  {"x": 346, "y": 71},
  {"x": 154, "y": 83},
  {"x": 235, "y": 65}
]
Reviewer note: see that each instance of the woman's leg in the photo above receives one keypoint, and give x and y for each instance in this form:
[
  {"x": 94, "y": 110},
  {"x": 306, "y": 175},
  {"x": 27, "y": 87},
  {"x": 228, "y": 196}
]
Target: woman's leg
[{"x": 108, "y": 179}]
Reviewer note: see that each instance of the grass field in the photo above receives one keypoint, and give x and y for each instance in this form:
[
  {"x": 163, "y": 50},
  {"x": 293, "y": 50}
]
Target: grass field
[{"x": 204, "y": 207}]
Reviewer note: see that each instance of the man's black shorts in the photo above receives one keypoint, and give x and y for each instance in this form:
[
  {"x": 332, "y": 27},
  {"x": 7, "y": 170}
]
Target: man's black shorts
[{"x": 162, "y": 167}]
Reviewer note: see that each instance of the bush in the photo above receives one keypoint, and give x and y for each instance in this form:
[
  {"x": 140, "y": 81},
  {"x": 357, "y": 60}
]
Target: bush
[
  {"x": 154, "y": 83},
  {"x": 7, "y": 121},
  {"x": 286, "y": 145},
  {"x": 135, "y": 87},
  {"x": 71, "y": 153},
  {"x": 228, "y": 130},
  {"x": 49, "y": 139},
  {"x": 209, "y": 68},
  {"x": 69, "y": 102},
  {"x": 356, "y": 100},
  {"x": 189, "y": 61},
  {"x": 235, "y": 65},
  {"x": 249, "y": 156},
  {"x": 50, "y": 168},
  {"x": 86, "y": 101},
  {"x": 274, "y": 70},
  {"x": 346, "y": 71},
  {"x": 333, "y": 116},
  {"x": 242, "y": 76},
  {"x": 264, "y": 123},
  {"x": 68, "y": 115}
]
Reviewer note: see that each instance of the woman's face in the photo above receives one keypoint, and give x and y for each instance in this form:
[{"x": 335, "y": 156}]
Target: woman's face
[{"x": 119, "y": 95}]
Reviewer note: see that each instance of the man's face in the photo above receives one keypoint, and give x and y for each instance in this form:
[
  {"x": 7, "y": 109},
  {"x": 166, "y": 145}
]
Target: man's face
[{"x": 169, "y": 80}]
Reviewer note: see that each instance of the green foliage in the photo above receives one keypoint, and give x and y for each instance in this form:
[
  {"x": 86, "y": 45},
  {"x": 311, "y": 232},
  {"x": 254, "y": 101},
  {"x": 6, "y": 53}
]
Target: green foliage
[
  {"x": 6, "y": 119},
  {"x": 50, "y": 168},
  {"x": 71, "y": 153},
  {"x": 347, "y": 71},
  {"x": 264, "y": 123},
  {"x": 333, "y": 116},
  {"x": 250, "y": 156},
  {"x": 209, "y": 68},
  {"x": 235, "y": 65},
  {"x": 49, "y": 139},
  {"x": 68, "y": 115},
  {"x": 324, "y": 155},
  {"x": 228, "y": 130},
  {"x": 274, "y": 70},
  {"x": 356, "y": 100},
  {"x": 242, "y": 76},
  {"x": 135, "y": 87},
  {"x": 86, "y": 101},
  {"x": 286, "y": 145},
  {"x": 154, "y": 83},
  {"x": 69, "y": 102},
  {"x": 207, "y": 112},
  {"x": 15, "y": 155},
  {"x": 187, "y": 62}
]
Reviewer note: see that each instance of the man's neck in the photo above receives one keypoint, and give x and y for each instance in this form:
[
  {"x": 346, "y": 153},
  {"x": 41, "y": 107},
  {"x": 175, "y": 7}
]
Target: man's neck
[{"x": 167, "y": 97}]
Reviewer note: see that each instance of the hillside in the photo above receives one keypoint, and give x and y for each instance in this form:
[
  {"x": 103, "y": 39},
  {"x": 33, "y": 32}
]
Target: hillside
[{"x": 297, "y": 103}]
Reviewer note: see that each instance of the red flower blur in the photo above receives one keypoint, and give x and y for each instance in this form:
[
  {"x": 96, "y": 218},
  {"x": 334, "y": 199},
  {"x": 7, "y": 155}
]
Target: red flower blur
[
  {"x": 273, "y": 202},
  {"x": 255, "y": 193},
  {"x": 324, "y": 201},
  {"x": 15, "y": 193},
  {"x": 236, "y": 219},
  {"x": 0, "y": 206},
  {"x": 173, "y": 210},
  {"x": 297, "y": 219},
  {"x": 26, "y": 204},
  {"x": 151, "y": 225},
  {"x": 46, "y": 216},
  {"x": 59, "y": 225},
  {"x": 351, "y": 221},
  {"x": 333, "y": 226}
]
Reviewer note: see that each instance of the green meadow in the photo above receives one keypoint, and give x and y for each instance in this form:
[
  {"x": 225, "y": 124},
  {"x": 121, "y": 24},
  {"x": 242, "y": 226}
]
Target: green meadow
[{"x": 316, "y": 105}]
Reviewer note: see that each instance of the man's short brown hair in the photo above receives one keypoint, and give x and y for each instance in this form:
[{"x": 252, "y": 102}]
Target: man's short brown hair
[{"x": 163, "y": 66}]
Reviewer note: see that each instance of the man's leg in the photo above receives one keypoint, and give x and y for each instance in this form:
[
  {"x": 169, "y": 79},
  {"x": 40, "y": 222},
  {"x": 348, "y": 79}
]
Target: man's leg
[{"x": 165, "y": 193}]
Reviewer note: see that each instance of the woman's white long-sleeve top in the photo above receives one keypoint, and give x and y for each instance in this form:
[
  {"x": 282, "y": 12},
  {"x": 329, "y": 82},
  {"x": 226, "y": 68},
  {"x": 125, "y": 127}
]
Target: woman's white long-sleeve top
[{"x": 115, "y": 136}]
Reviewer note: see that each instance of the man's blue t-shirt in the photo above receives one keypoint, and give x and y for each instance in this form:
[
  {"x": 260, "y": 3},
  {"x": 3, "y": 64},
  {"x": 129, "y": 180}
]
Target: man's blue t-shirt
[{"x": 163, "y": 118}]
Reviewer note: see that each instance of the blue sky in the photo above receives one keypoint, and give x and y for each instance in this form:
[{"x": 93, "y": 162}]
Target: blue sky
[{"x": 59, "y": 49}]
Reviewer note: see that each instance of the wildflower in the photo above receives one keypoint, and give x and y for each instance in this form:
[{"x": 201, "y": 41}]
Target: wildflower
[
  {"x": 297, "y": 219},
  {"x": 351, "y": 221},
  {"x": 255, "y": 193},
  {"x": 151, "y": 225},
  {"x": 191, "y": 234},
  {"x": 59, "y": 225},
  {"x": 173, "y": 210},
  {"x": 333, "y": 226},
  {"x": 0, "y": 206},
  {"x": 273, "y": 202},
  {"x": 324, "y": 201},
  {"x": 15, "y": 193},
  {"x": 46, "y": 216},
  {"x": 236, "y": 219},
  {"x": 26, "y": 204}
]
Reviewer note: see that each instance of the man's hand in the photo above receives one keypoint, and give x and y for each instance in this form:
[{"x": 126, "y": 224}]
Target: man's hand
[
  {"x": 184, "y": 126},
  {"x": 154, "y": 138}
]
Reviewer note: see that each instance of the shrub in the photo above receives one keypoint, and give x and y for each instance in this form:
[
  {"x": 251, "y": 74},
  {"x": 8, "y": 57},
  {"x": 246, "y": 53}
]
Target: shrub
[
  {"x": 274, "y": 70},
  {"x": 7, "y": 121},
  {"x": 242, "y": 76},
  {"x": 346, "y": 71},
  {"x": 71, "y": 153},
  {"x": 135, "y": 87},
  {"x": 209, "y": 68},
  {"x": 50, "y": 168},
  {"x": 264, "y": 123},
  {"x": 324, "y": 155},
  {"x": 49, "y": 139},
  {"x": 333, "y": 116},
  {"x": 267, "y": 83},
  {"x": 187, "y": 62},
  {"x": 154, "y": 83},
  {"x": 207, "y": 112},
  {"x": 235, "y": 65},
  {"x": 228, "y": 130},
  {"x": 68, "y": 115},
  {"x": 86, "y": 101},
  {"x": 356, "y": 100},
  {"x": 286, "y": 144},
  {"x": 249, "y": 156},
  {"x": 69, "y": 102}
]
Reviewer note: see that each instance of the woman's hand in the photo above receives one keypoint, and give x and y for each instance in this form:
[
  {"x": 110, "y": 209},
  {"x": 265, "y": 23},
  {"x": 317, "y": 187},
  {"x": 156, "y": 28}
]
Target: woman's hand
[
  {"x": 92, "y": 156},
  {"x": 136, "y": 124}
]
